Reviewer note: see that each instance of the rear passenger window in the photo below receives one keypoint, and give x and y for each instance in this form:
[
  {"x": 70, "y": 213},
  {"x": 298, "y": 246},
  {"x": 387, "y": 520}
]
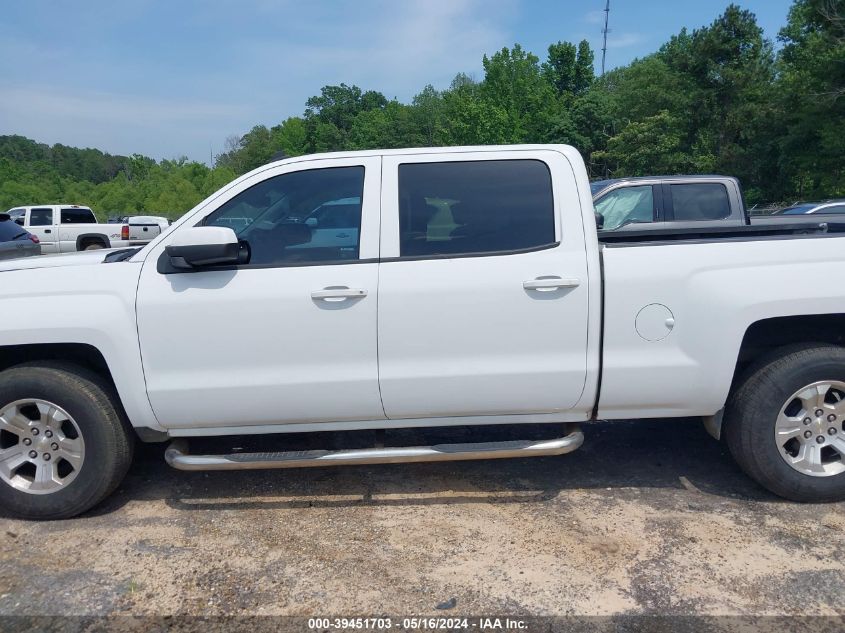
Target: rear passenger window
[
  {"x": 78, "y": 216},
  {"x": 701, "y": 201},
  {"x": 475, "y": 207},
  {"x": 41, "y": 217}
]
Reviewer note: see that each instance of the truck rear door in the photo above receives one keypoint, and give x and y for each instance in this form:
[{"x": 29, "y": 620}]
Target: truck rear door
[{"x": 483, "y": 294}]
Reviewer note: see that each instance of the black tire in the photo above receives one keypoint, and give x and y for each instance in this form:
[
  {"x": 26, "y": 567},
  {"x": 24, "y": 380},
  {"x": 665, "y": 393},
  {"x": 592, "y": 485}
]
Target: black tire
[
  {"x": 93, "y": 246},
  {"x": 752, "y": 411},
  {"x": 108, "y": 437}
]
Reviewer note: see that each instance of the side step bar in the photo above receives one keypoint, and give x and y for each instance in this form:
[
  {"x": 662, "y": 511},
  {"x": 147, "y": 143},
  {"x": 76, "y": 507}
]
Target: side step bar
[{"x": 177, "y": 454}]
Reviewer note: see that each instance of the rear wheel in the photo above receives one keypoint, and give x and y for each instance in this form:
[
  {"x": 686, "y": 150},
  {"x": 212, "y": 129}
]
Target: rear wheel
[
  {"x": 93, "y": 246},
  {"x": 64, "y": 445},
  {"x": 784, "y": 423}
]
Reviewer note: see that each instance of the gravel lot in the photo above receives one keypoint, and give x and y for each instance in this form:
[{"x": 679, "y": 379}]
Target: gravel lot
[{"x": 648, "y": 517}]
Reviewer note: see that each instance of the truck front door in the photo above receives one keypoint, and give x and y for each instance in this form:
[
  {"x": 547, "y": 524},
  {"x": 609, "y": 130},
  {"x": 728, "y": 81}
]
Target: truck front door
[
  {"x": 41, "y": 221},
  {"x": 289, "y": 337}
]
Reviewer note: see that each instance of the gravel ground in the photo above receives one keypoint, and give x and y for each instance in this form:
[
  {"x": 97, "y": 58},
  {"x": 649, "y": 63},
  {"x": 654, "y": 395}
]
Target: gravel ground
[{"x": 648, "y": 517}]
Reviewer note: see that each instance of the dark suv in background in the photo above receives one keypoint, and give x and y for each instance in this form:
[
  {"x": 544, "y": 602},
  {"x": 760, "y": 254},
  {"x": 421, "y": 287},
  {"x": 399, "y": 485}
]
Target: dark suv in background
[{"x": 15, "y": 241}]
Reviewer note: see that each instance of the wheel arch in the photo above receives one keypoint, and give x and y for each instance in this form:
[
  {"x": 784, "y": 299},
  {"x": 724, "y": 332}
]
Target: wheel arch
[
  {"x": 91, "y": 238},
  {"x": 765, "y": 336},
  {"x": 81, "y": 354}
]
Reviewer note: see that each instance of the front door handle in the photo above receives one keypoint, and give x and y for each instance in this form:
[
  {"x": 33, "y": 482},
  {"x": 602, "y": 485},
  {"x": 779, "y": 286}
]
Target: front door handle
[
  {"x": 546, "y": 284},
  {"x": 47, "y": 231},
  {"x": 338, "y": 293}
]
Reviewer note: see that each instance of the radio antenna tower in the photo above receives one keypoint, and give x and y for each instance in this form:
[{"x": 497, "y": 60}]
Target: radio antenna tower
[{"x": 605, "y": 31}]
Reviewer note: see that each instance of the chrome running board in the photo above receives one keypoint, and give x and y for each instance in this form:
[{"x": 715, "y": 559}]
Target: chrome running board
[{"x": 177, "y": 454}]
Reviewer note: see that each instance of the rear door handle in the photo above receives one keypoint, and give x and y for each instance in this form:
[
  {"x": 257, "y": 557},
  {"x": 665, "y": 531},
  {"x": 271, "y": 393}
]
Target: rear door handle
[
  {"x": 545, "y": 284},
  {"x": 338, "y": 293},
  {"x": 47, "y": 231}
]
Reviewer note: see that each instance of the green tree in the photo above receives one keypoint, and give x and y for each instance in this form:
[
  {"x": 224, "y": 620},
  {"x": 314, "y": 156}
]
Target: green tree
[
  {"x": 812, "y": 95},
  {"x": 654, "y": 145}
]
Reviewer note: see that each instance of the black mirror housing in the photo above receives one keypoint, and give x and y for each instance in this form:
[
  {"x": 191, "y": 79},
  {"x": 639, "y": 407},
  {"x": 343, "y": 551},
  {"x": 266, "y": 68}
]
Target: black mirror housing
[{"x": 599, "y": 220}]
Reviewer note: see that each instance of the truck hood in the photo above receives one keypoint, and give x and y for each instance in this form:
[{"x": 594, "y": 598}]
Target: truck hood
[{"x": 52, "y": 261}]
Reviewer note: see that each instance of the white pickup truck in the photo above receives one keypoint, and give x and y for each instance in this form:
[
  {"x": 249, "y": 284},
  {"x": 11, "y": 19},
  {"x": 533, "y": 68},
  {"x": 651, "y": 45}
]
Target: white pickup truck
[
  {"x": 67, "y": 228},
  {"x": 473, "y": 291}
]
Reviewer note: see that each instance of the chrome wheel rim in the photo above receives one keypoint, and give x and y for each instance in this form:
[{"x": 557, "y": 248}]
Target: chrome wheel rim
[
  {"x": 809, "y": 432},
  {"x": 41, "y": 446}
]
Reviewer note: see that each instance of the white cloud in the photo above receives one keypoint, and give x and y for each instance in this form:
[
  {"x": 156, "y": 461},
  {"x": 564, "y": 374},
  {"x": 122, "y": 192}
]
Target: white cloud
[
  {"x": 623, "y": 40},
  {"x": 594, "y": 17},
  {"x": 393, "y": 47},
  {"x": 115, "y": 123},
  {"x": 242, "y": 62}
]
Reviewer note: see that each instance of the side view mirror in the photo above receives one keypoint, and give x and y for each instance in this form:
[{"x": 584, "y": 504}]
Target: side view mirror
[
  {"x": 201, "y": 246},
  {"x": 19, "y": 220},
  {"x": 599, "y": 220},
  {"x": 312, "y": 222}
]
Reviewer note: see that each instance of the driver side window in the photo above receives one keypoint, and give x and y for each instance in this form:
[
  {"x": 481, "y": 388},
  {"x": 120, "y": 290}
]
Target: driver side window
[
  {"x": 626, "y": 205},
  {"x": 281, "y": 218}
]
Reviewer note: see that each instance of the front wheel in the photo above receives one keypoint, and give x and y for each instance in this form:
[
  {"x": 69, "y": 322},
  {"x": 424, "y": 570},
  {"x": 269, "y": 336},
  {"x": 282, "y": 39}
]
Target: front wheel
[
  {"x": 64, "y": 445},
  {"x": 784, "y": 423}
]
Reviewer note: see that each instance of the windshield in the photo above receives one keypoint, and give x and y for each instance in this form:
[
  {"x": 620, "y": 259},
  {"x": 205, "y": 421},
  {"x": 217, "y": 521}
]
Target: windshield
[
  {"x": 9, "y": 231},
  {"x": 799, "y": 209},
  {"x": 598, "y": 185}
]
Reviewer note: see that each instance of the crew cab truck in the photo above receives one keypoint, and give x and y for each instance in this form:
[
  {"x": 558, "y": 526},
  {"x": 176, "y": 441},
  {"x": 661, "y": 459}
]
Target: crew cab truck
[
  {"x": 475, "y": 292},
  {"x": 646, "y": 204},
  {"x": 655, "y": 202},
  {"x": 66, "y": 228}
]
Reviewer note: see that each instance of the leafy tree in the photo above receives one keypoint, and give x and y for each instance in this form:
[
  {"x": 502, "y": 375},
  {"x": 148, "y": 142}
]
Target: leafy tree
[
  {"x": 812, "y": 90},
  {"x": 514, "y": 84},
  {"x": 716, "y": 98},
  {"x": 653, "y": 145}
]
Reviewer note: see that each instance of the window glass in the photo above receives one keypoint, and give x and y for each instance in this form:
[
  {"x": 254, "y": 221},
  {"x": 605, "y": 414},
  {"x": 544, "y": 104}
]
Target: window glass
[
  {"x": 304, "y": 216},
  {"x": 9, "y": 230},
  {"x": 837, "y": 208},
  {"x": 18, "y": 216},
  {"x": 627, "y": 205},
  {"x": 700, "y": 201},
  {"x": 78, "y": 216},
  {"x": 41, "y": 217},
  {"x": 474, "y": 207}
]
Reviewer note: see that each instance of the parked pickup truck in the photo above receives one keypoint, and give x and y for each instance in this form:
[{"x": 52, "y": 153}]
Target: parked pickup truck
[
  {"x": 654, "y": 203},
  {"x": 67, "y": 228},
  {"x": 476, "y": 292},
  {"x": 141, "y": 229}
]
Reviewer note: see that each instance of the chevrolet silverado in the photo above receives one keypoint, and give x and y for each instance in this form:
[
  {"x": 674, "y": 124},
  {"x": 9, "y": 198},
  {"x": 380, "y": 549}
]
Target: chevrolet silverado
[{"x": 448, "y": 287}]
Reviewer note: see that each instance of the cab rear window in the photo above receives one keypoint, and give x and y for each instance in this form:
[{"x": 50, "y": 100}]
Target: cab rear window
[{"x": 78, "y": 216}]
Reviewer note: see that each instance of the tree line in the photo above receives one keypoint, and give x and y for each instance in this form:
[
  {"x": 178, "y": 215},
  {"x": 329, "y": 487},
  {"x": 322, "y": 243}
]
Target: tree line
[{"x": 718, "y": 99}]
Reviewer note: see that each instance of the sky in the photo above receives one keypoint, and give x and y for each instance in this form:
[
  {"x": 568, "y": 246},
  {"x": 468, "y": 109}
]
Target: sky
[{"x": 171, "y": 78}]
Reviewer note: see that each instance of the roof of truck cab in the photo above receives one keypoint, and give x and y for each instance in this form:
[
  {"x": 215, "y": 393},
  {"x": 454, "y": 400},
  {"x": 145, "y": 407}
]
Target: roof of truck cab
[
  {"x": 597, "y": 186},
  {"x": 424, "y": 150},
  {"x": 52, "y": 204}
]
